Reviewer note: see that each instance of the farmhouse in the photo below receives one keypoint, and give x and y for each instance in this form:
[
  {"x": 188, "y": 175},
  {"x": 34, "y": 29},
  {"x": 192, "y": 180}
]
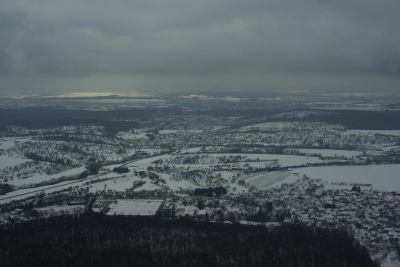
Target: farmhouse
[
  {"x": 169, "y": 210},
  {"x": 205, "y": 213}
]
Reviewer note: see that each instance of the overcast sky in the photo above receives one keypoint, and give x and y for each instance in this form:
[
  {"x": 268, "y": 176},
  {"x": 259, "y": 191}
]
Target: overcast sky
[{"x": 138, "y": 45}]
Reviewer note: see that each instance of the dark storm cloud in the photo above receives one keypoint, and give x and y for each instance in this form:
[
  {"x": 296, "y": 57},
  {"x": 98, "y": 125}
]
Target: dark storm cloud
[{"x": 70, "y": 38}]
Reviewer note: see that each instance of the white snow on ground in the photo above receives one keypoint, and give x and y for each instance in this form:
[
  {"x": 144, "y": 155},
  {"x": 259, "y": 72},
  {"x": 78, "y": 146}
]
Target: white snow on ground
[
  {"x": 292, "y": 126},
  {"x": 6, "y": 144},
  {"x": 180, "y": 184},
  {"x": 126, "y": 135},
  {"x": 32, "y": 191},
  {"x": 60, "y": 208},
  {"x": 51, "y": 188},
  {"x": 389, "y": 261},
  {"x": 146, "y": 161},
  {"x": 151, "y": 151},
  {"x": 189, "y": 209},
  {"x": 179, "y": 131},
  {"x": 148, "y": 186},
  {"x": 265, "y": 179},
  {"x": 118, "y": 184},
  {"x": 299, "y": 114},
  {"x": 387, "y": 132},
  {"x": 388, "y": 148},
  {"x": 169, "y": 131},
  {"x": 196, "y": 96},
  {"x": 6, "y": 161},
  {"x": 37, "y": 178},
  {"x": 135, "y": 207},
  {"x": 190, "y": 150},
  {"x": 367, "y": 108},
  {"x": 270, "y": 224},
  {"x": 284, "y": 160},
  {"x": 289, "y": 160},
  {"x": 382, "y": 177},
  {"x": 16, "y": 140},
  {"x": 121, "y": 183},
  {"x": 111, "y": 167},
  {"x": 272, "y": 126},
  {"x": 331, "y": 152}
]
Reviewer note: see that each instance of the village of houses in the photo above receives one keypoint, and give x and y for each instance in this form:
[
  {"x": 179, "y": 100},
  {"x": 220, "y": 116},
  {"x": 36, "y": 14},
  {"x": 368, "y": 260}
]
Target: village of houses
[
  {"x": 373, "y": 217},
  {"x": 254, "y": 162}
]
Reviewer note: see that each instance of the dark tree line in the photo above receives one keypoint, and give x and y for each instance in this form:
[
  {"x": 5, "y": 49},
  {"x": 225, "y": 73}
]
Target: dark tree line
[
  {"x": 37, "y": 157},
  {"x": 121, "y": 169},
  {"x": 210, "y": 192},
  {"x": 5, "y": 188},
  {"x": 94, "y": 167},
  {"x": 97, "y": 240},
  {"x": 27, "y": 117}
]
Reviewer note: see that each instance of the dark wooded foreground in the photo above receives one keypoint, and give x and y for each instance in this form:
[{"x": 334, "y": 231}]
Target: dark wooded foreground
[{"x": 96, "y": 240}]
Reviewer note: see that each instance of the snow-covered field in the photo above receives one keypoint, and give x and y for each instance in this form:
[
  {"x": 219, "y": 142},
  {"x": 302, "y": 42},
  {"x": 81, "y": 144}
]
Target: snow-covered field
[
  {"x": 174, "y": 185},
  {"x": 283, "y": 160},
  {"x": 16, "y": 195},
  {"x": 387, "y": 132},
  {"x": 265, "y": 179},
  {"x": 190, "y": 150},
  {"x": 388, "y": 148},
  {"x": 146, "y": 161},
  {"x": 135, "y": 207},
  {"x": 37, "y": 178},
  {"x": 382, "y": 177},
  {"x": 290, "y": 126},
  {"x": 121, "y": 183},
  {"x": 6, "y": 161},
  {"x": 179, "y": 131},
  {"x": 299, "y": 114},
  {"x": 6, "y": 144},
  {"x": 332, "y": 152},
  {"x": 127, "y": 135},
  {"x": 62, "y": 208}
]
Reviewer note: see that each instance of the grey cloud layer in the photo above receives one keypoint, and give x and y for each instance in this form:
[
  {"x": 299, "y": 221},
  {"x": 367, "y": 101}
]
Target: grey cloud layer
[{"x": 71, "y": 38}]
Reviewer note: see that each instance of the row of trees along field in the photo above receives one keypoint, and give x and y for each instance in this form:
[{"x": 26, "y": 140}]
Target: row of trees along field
[{"x": 98, "y": 240}]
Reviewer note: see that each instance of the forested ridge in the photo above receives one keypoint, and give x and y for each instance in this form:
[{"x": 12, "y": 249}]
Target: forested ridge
[{"x": 97, "y": 240}]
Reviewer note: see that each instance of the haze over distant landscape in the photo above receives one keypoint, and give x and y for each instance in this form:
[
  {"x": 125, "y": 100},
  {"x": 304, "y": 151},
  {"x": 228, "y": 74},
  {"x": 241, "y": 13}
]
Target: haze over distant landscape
[
  {"x": 200, "y": 133},
  {"x": 125, "y": 46}
]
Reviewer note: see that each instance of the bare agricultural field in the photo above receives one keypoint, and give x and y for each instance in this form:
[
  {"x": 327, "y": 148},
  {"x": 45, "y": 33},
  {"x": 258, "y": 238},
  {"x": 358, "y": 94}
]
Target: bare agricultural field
[{"x": 265, "y": 179}]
